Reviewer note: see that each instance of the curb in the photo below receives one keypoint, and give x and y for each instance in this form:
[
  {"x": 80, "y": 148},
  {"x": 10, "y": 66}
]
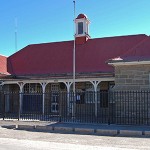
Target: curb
[
  {"x": 107, "y": 132},
  {"x": 147, "y": 133},
  {"x": 65, "y": 129},
  {"x": 46, "y": 128},
  {"x": 26, "y": 127},
  {"x": 100, "y": 132},
  {"x": 84, "y": 130},
  {"x": 131, "y": 133}
]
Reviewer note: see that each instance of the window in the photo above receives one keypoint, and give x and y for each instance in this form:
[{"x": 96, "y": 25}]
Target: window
[
  {"x": 111, "y": 85},
  {"x": 80, "y": 28},
  {"x": 80, "y": 97},
  {"x": 54, "y": 87}
]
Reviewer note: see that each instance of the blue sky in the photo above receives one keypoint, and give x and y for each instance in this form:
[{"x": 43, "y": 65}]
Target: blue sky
[{"x": 41, "y": 21}]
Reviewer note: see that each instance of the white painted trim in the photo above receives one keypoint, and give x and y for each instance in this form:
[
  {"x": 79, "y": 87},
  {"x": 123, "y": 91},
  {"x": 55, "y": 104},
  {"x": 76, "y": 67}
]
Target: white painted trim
[
  {"x": 130, "y": 63},
  {"x": 21, "y": 85},
  {"x": 86, "y": 23},
  {"x": 81, "y": 20},
  {"x": 60, "y": 80},
  {"x": 68, "y": 85},
  {"x": 95, "y": 84},
  {"x": 43, "y": 84}
]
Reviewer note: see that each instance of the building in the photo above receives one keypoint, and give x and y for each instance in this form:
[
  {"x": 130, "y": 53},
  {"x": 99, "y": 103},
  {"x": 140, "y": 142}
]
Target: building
[
  {"x": 132, "y": 68},
  {"x": 3, "y": 66},
  {"x": 120, "y": 62}
]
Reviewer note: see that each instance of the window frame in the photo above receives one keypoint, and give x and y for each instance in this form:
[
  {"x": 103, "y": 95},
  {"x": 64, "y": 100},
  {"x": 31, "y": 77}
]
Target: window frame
[{"x": 80, "y": 28}]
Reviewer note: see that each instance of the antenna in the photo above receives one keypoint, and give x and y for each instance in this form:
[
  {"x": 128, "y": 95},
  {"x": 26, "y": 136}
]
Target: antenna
[{"x": 16, "y": 26}]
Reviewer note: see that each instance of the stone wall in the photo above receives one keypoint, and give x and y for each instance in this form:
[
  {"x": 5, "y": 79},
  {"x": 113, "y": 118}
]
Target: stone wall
[
  {"x": 132, "y": 102},
  {"x": 133, "y": 77}
]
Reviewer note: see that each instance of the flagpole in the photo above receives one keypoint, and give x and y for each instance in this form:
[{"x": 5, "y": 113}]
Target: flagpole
[
  {"x": 74, "y": 53},
  {"x": 16, "y": 25},
  {"x": 74, "y": 64}
]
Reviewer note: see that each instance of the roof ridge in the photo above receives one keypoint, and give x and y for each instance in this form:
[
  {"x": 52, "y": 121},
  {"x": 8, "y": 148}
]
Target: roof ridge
[
  {"x": 118, "y": 36},
  {"x": 49, "y": 42}
]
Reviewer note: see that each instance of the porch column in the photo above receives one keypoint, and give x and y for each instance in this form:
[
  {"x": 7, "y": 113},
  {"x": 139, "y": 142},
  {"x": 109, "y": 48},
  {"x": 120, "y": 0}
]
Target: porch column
[
  {"x": 21, "y": 84},
  {"x": 68, "y": 84},
  {"x": 43, "y": 102},
  {"x": 95, "y": 84}
]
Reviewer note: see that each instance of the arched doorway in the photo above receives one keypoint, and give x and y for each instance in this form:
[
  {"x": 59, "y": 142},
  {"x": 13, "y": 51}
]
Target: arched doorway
[{"x": 32, "y": 98}]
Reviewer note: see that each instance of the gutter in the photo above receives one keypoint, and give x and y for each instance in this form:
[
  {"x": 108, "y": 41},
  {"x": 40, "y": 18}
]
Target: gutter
[{"x": 129, "y": 63}]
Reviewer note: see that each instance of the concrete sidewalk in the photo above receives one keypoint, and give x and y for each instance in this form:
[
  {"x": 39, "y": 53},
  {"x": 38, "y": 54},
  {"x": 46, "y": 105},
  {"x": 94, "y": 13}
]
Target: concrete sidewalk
[{"x": 78, "y": 128}]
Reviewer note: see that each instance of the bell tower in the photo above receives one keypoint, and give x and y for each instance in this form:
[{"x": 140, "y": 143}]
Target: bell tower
[{"x": 82, "y": 29}]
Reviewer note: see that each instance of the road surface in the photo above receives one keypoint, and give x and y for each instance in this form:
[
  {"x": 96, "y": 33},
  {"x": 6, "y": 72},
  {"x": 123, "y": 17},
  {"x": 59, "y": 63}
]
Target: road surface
[{"x": 27, "y": 140}]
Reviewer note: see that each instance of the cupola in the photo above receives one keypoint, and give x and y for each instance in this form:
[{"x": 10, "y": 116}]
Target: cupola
[{"x": 82, "y": 29}]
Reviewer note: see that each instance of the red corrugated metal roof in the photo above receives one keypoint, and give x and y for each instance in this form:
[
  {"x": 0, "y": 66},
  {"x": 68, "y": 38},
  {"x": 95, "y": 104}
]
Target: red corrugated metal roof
[
  {"x": 3, "y": 65},
  {"x": 56, "y": 58},
  {"x": 140, "y": 52}
]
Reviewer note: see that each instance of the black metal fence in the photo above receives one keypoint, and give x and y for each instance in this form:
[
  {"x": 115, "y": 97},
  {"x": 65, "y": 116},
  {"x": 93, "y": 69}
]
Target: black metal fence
[{"x": 107, "y": 107}]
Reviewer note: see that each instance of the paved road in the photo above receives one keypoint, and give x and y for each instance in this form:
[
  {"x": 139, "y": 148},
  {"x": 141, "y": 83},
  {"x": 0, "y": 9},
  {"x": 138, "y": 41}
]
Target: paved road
[{"x": 23, "y": 140}]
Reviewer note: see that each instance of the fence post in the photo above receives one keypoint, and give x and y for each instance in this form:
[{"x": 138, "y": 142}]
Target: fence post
[
  {"x": 59, "y": 104},
  {"x": 3, "y": 106},
  {"x": 74, "y": 105},
  {"x": 108, "y": 108},
  {"x": 20, "y": 98},
  {"x": 96, "y": 102}
]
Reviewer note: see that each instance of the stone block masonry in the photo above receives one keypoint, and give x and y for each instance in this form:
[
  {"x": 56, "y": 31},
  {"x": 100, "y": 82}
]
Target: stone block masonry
[{"x": 133, "y": 77}]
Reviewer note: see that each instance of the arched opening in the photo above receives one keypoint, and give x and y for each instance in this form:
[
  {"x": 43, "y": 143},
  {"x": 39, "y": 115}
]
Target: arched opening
[
  {"x": 55, "y": 98},
  {"x": 84, "y": 92},
  {"x": 11, "y": 100},
  {"x": 32, "y": 88},
  {"x": 11, "y": 88},
  {"x": 84, "y": 103},
  {"x": 32, "y": 100}
]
